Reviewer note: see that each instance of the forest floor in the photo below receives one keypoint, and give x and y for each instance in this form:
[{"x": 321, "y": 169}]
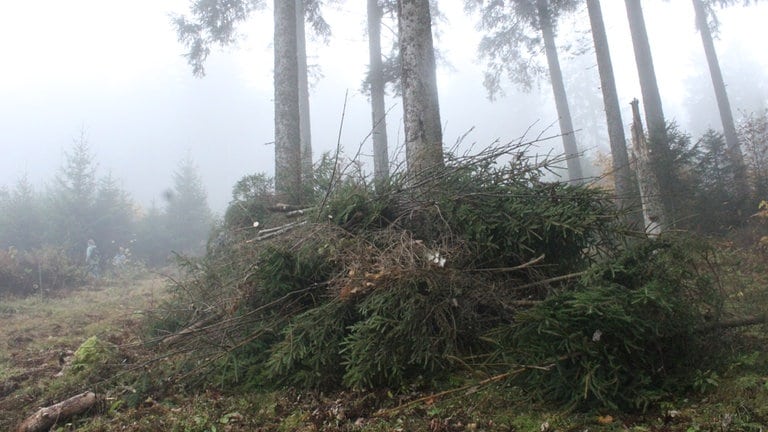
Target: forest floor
[{"x": 38, "y": 339}]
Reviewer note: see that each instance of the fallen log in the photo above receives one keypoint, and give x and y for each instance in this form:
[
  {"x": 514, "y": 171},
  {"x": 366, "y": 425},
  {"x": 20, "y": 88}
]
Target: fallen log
[{"x": 46, "y": 417}]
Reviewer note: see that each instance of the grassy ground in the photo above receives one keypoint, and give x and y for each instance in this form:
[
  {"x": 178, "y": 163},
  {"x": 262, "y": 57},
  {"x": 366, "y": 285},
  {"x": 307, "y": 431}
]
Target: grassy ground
[
  {"x": 38, "y": 367},
  {"x": 38, "y": 339}
]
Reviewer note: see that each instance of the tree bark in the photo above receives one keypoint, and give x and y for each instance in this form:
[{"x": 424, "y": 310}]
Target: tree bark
[
  {"x": 45, "y": 418},
  {"x": 561, "y": 99},
  {"x": 305, "y": 130},
  {"x": 653, "y": 208},
  {"x": 723, "y": 104},
  {"x": 287, "y": 121},
  {"x": 421, "y": 109},
  {"x": 625, "y": 181},
  {"x": 654, "y": 113},
  {"x": 658, "y": 142},
  {"x": 376, "y": 82}
]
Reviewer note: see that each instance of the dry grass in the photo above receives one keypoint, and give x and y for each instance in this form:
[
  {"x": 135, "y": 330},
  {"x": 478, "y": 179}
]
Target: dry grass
[{"x": 38, "y": 335}]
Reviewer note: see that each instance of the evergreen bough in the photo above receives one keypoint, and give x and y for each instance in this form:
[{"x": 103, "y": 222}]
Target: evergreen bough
[{"x": 480, "y": 266}]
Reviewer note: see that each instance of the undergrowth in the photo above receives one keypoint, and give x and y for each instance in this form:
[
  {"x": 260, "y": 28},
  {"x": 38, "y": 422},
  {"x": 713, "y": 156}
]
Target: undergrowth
[{"x": 43, "y": 271}]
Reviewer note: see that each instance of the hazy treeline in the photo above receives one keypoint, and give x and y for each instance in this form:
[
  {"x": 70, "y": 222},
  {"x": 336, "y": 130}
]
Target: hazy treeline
[
  {"x": 704, "y": 189},
  {"x": 79, "y": 204}
]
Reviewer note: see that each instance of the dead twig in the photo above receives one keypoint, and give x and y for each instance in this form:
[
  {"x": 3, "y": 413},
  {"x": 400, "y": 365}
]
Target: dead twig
[
  {"x": 550, "y": 280},
  {"x": 435, "y": 396},
  {"x": 474, "y": 386},
  {"x": 470, "y": 387},
  {"x": 331, "y": 184},
  {"x": 511, "y": 269},
  {"x": 195, "y": 327}
]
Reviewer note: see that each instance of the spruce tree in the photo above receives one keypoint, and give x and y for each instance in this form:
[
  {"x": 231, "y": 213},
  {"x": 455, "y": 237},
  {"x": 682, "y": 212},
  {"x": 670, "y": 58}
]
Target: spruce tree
[{"x": 188, "y": 217}]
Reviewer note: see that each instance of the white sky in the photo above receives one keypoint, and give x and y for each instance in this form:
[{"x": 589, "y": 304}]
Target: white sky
[{"x": 114, "y": 68}]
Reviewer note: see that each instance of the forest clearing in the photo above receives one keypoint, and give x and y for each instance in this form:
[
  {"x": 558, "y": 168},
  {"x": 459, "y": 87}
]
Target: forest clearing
[{"x": 398, "y": 282}]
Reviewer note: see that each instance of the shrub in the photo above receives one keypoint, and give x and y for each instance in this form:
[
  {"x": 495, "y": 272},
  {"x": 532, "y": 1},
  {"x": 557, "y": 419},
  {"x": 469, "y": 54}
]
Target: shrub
[{"x": 48, "y": 268}]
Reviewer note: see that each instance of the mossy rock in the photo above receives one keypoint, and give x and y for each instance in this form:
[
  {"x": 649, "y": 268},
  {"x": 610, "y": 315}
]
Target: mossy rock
[{"x": 93, "y": 353}]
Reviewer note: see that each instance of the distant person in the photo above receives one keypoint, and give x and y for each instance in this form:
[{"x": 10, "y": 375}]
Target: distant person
[
  {"x": 119, "y": 260},
  {"x": 92, "y": 258}
]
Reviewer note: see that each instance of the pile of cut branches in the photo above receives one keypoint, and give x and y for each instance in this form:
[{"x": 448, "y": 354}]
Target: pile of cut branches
[{"x": 481, "y": 266}]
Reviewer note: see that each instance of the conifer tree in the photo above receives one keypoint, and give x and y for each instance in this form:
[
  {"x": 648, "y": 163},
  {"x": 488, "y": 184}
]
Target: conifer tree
[
  {"x": 113, "y": 216},
  {"x": 704, "y": 12},
  {"x": 516, "y": 30},
  {"x": 421, "y": 109},
  {"x": 71, "y": 198},
  {"x": 21, "y": 217},
  {"x": 216, "y": 22},
  {"x": 188, "y": 217},
  {"x": 625, "y": 180}
]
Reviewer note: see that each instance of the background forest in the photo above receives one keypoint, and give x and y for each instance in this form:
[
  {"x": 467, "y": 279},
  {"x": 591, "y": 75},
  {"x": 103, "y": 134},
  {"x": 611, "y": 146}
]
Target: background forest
[{"x": 43, "y": 234}]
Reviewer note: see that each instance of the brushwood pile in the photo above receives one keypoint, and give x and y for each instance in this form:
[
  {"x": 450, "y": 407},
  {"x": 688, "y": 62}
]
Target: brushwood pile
[{"x": 481, "y": 269}]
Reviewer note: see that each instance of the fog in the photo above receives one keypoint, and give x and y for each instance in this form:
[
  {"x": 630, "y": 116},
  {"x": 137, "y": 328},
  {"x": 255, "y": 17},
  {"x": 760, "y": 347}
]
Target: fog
[{"x": 115, "y": 71}]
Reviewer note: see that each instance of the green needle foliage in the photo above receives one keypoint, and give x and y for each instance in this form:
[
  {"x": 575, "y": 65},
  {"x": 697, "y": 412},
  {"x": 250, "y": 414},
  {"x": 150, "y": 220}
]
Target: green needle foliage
[
  {"x": 308, "y": 354},
  {"x": 628, "y": 333},
  {"x": 413, "y": 328}
]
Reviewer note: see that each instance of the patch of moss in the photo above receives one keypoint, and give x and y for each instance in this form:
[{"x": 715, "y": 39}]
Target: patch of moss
[{"x": 93, "y": 353}]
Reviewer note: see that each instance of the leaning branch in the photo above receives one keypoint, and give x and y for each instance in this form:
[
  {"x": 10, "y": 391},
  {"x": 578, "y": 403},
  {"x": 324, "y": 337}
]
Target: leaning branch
[
  {"x": 736, "y": 322},
  {"x": 431, "y": 398}
]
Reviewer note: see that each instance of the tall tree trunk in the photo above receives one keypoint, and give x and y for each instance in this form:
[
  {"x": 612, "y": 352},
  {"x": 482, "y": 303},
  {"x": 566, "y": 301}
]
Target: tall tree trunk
[
  {"x": 653, "y": 208},
  {"x": 726, "y": 115},
  {"x": 659, "y": 156},
  {"x": 376, "y": 82},
  {"x": 421, "y": 109},
  {"x": 625, "y": 181},
  {"x": 561, "y": 99},
  {"x": 287, "y": 124},
  {"x": 304, "y": 118},
  {"x": 654, "y": 113}
]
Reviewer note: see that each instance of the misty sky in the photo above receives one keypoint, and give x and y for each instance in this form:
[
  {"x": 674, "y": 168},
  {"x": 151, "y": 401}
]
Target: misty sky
[{"x": 113, "y": 68}]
